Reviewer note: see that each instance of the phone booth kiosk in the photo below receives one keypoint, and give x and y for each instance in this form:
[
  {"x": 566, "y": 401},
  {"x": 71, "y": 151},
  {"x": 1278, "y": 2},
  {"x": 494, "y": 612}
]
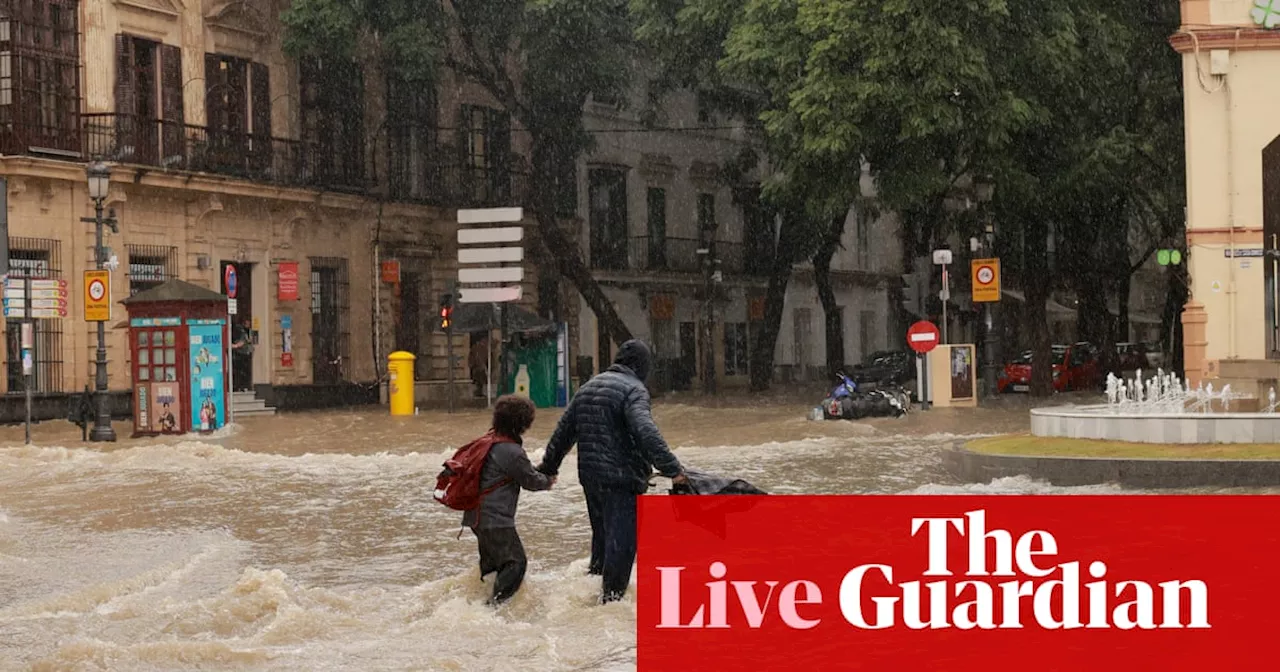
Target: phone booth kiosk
[{"x": 178, "y": 336}]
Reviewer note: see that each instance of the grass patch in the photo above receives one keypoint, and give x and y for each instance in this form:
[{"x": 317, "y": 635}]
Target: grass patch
[{"x": 1038, "y": 446}]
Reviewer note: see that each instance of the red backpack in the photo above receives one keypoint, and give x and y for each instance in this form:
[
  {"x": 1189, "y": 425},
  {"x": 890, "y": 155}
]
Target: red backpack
[{"x": 458, "y": 486}]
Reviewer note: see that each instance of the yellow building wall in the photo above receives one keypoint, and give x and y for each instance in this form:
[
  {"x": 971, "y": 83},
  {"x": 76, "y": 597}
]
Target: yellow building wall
[
  {"x": 1229, "y": 120},
  {"x": 205, "y": 228},
  {"x": 209, "y": 218}
]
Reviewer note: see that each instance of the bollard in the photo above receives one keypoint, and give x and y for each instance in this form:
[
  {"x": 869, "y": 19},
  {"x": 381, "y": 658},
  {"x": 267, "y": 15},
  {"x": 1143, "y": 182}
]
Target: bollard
[{"x": 400, "y": 382}]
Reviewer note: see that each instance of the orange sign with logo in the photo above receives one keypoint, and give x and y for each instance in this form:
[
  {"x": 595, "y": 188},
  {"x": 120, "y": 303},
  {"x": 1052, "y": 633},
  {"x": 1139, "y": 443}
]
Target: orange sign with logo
[
  {"x": 97, "y": 296},
  {"x": 986, "y": 280},
  {"x": 287, "y": 281},
  {"x": 391, "y": 272}
]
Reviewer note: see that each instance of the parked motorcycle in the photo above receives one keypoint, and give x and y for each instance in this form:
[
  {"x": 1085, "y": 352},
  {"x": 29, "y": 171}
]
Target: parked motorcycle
[{"x": 848, "y": 402}]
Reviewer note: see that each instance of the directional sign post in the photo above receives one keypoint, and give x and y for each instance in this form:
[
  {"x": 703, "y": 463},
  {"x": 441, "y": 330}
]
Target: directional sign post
[
  {"x": 986, "y": 290},
  {"x": 923, "y": 338},
  {"x": 35, "y": 299},
  {"x": 20, "y": 302},
  {"x": 488, "y": 240},
  {"x": 943, "y": 258}
]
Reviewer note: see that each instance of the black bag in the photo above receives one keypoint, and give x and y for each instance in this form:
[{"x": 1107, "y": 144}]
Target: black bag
[{"x": 702, "y": 483}]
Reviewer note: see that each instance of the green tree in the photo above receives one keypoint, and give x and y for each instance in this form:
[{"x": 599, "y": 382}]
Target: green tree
[
  {"x": 926, "y": 93},
  {"x": 686, "y": 41},
  {"x": 539, "y": 59}
]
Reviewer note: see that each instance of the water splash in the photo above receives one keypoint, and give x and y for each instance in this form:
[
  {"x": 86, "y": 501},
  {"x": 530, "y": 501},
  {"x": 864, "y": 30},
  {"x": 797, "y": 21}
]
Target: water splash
[{"x": 1165, "y": 394}]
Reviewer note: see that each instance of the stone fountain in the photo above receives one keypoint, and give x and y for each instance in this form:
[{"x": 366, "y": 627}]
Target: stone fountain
[{"x": 1163, "y": 409}]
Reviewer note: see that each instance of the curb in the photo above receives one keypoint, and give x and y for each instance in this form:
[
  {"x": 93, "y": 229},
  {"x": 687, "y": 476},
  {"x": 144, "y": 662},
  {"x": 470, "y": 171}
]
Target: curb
[{"x": 1149, "y": 473}]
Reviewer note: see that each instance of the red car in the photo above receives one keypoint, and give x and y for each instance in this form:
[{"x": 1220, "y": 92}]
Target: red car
[{"x": 1075, "y": 367}]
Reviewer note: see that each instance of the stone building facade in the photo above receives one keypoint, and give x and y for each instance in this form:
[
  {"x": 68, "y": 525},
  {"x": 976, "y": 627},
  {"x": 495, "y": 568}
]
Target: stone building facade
[
  {"x": 223, "y": 150},
  {"x": 649, "y": 198}
]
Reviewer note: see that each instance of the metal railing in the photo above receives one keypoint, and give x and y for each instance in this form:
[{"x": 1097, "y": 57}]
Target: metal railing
[
  {"x": 439, "y": 178},
  {"x": 127, "y": 138}
]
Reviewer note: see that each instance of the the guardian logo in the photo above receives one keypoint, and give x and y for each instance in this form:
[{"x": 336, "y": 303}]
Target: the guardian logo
[{"x": 1039, "y": 591}]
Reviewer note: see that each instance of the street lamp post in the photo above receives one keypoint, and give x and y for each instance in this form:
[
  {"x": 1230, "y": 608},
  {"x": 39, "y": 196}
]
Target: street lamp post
[
  {"x": 711, "y": 268},
  {"x": 99, "y": 177},
  {"x": 985, "y": 190},
  {"x": 988, "y": 320}
]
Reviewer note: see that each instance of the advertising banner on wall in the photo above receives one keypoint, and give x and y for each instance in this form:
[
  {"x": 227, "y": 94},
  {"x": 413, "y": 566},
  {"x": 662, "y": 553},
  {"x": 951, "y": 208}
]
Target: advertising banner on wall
[
  {"x": 287, "y": 281},
  {"x": 208, "y": 396},
  {"x": 166, "y": 408}
]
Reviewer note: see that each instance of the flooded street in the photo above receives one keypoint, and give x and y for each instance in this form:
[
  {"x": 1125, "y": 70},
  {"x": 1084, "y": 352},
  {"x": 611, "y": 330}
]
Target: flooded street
[{"x": 311, "y": 541}]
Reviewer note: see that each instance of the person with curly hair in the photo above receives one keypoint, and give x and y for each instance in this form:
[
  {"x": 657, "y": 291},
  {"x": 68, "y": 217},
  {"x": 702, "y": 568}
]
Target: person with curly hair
[{"x": 506, "y": 471}]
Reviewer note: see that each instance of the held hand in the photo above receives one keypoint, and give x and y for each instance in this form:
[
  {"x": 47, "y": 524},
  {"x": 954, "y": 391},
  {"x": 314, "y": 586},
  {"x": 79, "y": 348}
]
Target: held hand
[
  {"x": 553, "y": 483},
  {"x": 680, "y": 479}
]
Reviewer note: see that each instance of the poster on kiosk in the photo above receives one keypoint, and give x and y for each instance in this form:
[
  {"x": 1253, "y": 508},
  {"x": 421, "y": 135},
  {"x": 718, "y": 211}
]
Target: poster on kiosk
[{"x": 208, "y": 406}]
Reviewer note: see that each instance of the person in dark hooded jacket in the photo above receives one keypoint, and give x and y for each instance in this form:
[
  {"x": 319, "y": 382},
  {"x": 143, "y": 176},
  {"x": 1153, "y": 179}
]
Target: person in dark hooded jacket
[{"x": 619, "y": 448}]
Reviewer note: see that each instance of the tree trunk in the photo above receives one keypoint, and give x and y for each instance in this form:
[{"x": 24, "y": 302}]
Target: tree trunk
[
  {"x": 1171, "y": 320},
  {"x": 1037, "y": 278},
  {"x": 1097, "y": 326},
  {"x": 763, "y": 350},
  {"x": 831, "y": 312},
  {"x": 562, "y": 248},
  {"x": 1091, "y": 312},
  {"x": 1122, "y": 299}
]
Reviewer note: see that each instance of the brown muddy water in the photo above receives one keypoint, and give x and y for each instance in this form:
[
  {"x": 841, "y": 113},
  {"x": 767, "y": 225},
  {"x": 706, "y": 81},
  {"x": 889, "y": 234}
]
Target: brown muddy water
[{"x": 311, "y": 541}]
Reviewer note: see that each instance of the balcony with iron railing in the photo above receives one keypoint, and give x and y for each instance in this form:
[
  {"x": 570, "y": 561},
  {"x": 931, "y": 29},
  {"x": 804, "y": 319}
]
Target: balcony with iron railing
[
  {"x": 435, "y": 177},
  {"x": 675, "y": 255},
  {"x": 259, "y": 158}
]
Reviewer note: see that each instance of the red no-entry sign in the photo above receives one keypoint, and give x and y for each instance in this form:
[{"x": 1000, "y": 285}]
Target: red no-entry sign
[{"x": 922, "y": 336}]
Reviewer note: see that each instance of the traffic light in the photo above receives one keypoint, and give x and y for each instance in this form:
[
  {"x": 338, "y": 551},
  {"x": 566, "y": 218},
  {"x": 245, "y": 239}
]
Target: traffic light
[
  {"x": 910, "y": 296},
  {"x": 915, "y": 289},
  {"x": 446, "y": 311}
]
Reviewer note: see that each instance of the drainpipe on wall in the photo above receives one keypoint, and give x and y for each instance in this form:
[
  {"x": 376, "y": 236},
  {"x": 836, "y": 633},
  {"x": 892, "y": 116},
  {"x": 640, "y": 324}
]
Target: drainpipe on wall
[
  {"x": 1232, "y": 351},
  {"x": 377, "y": 295}
]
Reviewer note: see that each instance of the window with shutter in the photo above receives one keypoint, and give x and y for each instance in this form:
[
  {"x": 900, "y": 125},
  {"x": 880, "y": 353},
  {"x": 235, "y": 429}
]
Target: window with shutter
[
  {"x": 237, "y": 115},
  {"x": 413, "y": 171},
  {"x": 126, "y": 100},
  {"x": 260, "y": 156},
  {"x": 138, "y": 98},
  {"x": 39, "y": 77},
  {"x": 148, "y": 125},
  {"x": 486, "y": 144},
  {"x": 333, "y": 122},
  {"x": 172, "y": 110},
  {"x": 227, "y": 111}
]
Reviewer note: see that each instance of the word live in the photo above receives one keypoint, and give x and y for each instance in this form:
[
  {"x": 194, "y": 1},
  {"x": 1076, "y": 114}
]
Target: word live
[{"x": 1055, "y": 603}]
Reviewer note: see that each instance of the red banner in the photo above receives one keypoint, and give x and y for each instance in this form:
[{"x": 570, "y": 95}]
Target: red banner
[
  {"x": 287, "y": 275},
  {"x": 957, "y": 582}
]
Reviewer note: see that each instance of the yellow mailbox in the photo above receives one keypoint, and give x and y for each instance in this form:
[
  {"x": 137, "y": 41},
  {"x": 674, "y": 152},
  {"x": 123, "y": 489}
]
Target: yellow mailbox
[{"x": 400, "y": 382}]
